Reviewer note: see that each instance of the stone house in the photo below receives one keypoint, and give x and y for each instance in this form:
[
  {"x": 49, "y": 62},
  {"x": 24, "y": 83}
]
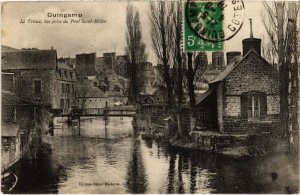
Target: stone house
[
  {"x": 244, "y": 97},
  {"x": 38, "y": 75}
]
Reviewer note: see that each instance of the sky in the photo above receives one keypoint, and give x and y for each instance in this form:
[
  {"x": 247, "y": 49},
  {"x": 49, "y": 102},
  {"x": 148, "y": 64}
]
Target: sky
[{"x": 71, "y": 39}]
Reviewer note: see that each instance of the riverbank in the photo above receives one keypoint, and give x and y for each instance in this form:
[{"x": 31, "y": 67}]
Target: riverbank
[
  {"x": 188, "y": 144},
  {"x": 233, "y": 145}
]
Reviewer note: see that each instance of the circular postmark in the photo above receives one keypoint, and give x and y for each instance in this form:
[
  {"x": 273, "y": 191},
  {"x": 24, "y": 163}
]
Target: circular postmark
[{"x": 214, "y": 21}]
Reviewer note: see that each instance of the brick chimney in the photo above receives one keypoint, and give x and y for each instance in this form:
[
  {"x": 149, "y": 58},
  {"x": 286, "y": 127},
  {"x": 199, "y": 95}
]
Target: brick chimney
[
  {"x": 231, "y": 55},
  {"x": 251, "y": 43},
  {"x": 218, "y": 60}
]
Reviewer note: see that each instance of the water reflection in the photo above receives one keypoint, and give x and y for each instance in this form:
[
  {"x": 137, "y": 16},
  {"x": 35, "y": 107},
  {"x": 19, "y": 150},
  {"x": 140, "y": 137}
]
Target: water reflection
[
  {"x": 136, "y": 176},
  {"x": 171, "y": 173},
  {"x": 108, "y": 156}
]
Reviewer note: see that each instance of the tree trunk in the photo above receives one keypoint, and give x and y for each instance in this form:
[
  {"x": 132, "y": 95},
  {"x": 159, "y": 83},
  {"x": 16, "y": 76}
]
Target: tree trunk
[
  {"x": 283, "y": 72},
  {"x": 191, "y": 91},
  {"x": 294, "y": 82}
]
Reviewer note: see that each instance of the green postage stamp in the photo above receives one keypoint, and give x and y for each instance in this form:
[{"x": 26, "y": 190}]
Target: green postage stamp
[{"x": 205, "y": 27}]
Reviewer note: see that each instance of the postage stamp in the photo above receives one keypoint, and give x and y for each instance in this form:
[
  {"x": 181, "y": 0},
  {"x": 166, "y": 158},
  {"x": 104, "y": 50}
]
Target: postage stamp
[{"x": 207, "y": 24}]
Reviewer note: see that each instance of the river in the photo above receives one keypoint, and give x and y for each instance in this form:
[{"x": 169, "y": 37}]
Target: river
[{"x": 107, "y": 156}]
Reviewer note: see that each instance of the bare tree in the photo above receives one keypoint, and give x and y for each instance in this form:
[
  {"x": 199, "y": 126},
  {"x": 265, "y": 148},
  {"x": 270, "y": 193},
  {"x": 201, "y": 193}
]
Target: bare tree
[
  {"x": 280, "y": 21},
  {"x": 136, "y": 52},
  {"x": 196, "y": 64},
  {"x": 177, "y": 56},
  {"x": 269, "y": 53},
  {"x": 162, "y": 34}
]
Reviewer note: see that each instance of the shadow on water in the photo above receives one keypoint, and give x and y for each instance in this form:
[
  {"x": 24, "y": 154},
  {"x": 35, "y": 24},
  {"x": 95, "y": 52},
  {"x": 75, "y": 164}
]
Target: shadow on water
[
  {"x": 38, "y": 176},
  {"x": 136, "y": 174}
]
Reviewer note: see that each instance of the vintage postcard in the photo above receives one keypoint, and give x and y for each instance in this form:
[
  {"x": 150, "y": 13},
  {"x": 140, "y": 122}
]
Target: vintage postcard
[{"x": 150, "y": 97}]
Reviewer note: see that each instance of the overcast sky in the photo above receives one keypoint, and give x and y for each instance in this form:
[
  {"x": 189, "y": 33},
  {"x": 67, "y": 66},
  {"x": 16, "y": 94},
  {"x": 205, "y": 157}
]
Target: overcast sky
[{"x": 71, "y": 39}]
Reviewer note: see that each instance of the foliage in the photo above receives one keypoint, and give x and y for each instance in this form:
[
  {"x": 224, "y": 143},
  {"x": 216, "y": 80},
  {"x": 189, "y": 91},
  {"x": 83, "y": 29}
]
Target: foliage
[{"x": 136, "y": 53}]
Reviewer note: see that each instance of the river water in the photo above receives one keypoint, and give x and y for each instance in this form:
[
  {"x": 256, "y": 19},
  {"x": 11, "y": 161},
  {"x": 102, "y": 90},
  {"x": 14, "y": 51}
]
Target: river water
[{"x": 107, "y": 156}]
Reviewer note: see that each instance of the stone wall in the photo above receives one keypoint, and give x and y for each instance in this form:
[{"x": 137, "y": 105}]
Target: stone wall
[
  {"x": 234, "y": 125},
  {"x": 273, "y": 102},
  {"x": 252, "y": 74},
  {"x": 24, "y": 80},
  {"x": 232, "y": 106}
]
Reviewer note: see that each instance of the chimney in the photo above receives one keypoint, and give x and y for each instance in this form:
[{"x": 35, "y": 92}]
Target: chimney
[
  {"x": 51, "y": 47},
  {"x": 231, "y": 55},
  {"x": 251, "y": 43},
  {"x": 218, "y": 60}
]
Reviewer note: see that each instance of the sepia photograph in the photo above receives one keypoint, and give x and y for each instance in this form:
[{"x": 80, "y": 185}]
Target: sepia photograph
[{"x": 150, "y": 97}]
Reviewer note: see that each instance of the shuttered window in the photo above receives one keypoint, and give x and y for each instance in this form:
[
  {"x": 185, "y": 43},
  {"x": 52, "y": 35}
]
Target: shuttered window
[{"x": 253, "y": 104}]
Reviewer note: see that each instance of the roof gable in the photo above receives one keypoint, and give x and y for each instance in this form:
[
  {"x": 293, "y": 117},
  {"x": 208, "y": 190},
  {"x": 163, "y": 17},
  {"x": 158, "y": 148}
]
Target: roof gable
[
  {"x": 29, "y": 59},
  {"x": 7, "y": 49},
  {"x": 234, "y": 64},
  {"x": 63, "y": 65}
]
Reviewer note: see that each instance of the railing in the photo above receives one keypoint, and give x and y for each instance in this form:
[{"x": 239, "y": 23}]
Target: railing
[{"x": 108, "y": 111}]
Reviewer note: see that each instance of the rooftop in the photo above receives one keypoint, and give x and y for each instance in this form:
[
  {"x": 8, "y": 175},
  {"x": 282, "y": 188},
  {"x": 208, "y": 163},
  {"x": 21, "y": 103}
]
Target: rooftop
[
  {"x": 29, "y": 59},
  {"x": 95, "y": 92}
]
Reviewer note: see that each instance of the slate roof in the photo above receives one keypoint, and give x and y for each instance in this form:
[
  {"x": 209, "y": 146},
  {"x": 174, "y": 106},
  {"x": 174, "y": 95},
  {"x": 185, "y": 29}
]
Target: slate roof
[
  {"x": 7, "y": 49},
  {"x": 29, "y": 59},
  {"x": 95, "y": 92},
  {"x": 201, "y": 97},
  {"x": 9, "y": 129},
  {"x": 63, "y": 65}
]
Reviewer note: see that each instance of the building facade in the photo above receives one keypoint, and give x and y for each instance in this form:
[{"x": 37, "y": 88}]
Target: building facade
[
  {"x": 38, "y": 75},
  {"x": 244, "y": 97},
  {"x": 64, "y": 86}
]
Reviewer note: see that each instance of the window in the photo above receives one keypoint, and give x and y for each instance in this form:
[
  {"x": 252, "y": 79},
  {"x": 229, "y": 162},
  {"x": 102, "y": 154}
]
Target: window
[
  {"x": 67, "y": 103},
  {"x": 62, "y": 103},
  {"x": 254, "y": 104},
  {"x": 37, "y": 86},
  {"x": 59, "y": 71},
  {"x": 68, "y": 88},
  {"x": 72, "y": 89},
  {"x": 66, "y": 74},
  {"x": 219, "y": 60},
  {"x": 62, "y": 88}
]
